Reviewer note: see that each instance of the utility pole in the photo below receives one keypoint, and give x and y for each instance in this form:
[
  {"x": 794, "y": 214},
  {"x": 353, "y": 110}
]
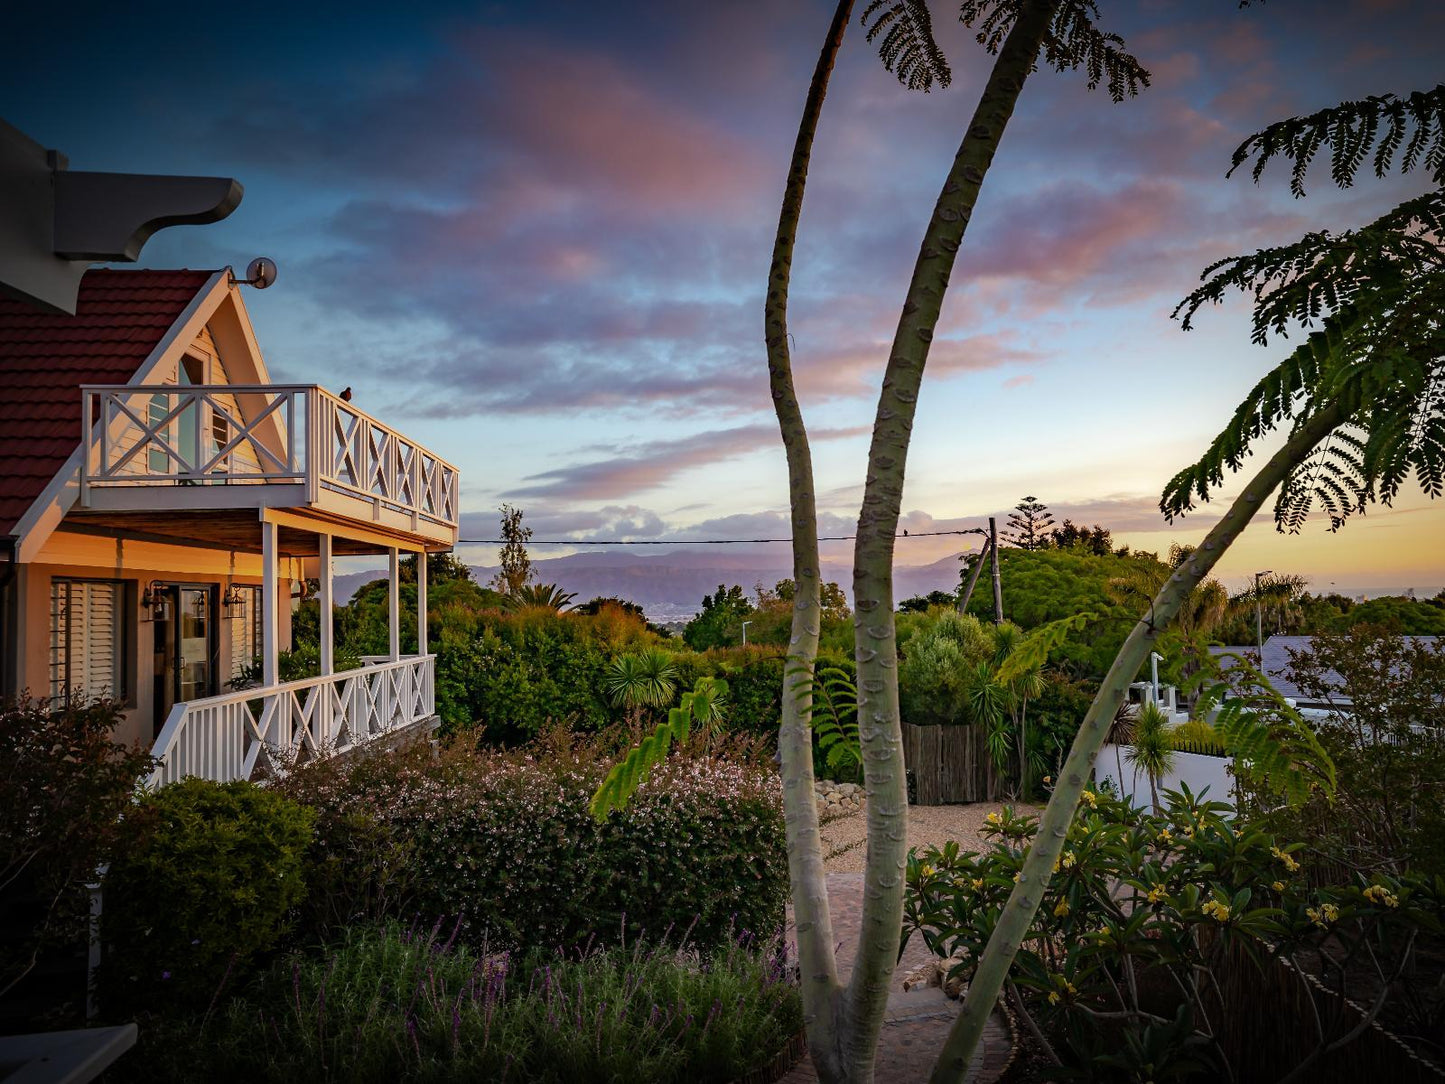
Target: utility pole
[
  {"x": 997, "y": 583},
  {"x": 973, "y": 577},
  {"x": 1259, "y": 616}
]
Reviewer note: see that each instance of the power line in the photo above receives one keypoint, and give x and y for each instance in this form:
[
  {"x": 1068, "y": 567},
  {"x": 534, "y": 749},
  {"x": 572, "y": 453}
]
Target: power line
[{"x": 697, "y": 541}]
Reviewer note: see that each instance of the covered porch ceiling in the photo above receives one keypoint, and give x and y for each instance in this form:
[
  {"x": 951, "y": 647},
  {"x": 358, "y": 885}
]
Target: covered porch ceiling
[{"x": 239, "y": 529}]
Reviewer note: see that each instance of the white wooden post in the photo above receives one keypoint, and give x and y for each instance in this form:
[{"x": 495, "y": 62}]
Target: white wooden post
[
  {"x": 325, "y": 598},
  {"x": 270, "y": 606},
  {"x": 393, "y": 601},
  {"x": 421, "y": 602}
]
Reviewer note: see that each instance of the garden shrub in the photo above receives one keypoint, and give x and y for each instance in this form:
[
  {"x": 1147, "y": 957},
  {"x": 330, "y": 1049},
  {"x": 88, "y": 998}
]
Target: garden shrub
[
  {"x": 64, "y": 783},
  {"x": 507, "y": 841},
  {"x": 201, "y": 889},
  {"x": 1153, "y": 952},
  {"x": 392, "y": 1004}
]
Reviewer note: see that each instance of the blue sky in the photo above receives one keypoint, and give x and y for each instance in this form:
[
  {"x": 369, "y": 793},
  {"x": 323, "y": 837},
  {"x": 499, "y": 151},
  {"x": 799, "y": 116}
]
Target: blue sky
[{"x": 536, "y": 237}]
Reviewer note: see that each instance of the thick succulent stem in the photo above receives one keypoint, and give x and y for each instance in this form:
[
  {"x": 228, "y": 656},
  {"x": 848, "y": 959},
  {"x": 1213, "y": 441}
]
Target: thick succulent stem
[
  {"x": 875, "y": 645},
  {"x": 821, "y": 989},
  {"x": 1023, "y": 903}
]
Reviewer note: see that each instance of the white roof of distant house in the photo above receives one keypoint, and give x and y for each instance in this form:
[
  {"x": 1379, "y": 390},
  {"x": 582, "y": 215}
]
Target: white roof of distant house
[{"x": 1276, "y": 662}]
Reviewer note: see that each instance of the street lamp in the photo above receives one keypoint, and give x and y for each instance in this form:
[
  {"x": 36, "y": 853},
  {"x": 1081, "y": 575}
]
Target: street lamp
[
  {"x": 745, "y": 632},
  {"x": 1259, "y": 615}
]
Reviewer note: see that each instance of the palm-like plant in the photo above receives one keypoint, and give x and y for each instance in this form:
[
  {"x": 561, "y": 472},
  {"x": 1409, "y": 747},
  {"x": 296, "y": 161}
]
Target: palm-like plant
[
  {"x": 542, "y": 596},
  {"x": 1152, "y": 751},
  {"x": 647, "y": 679}
]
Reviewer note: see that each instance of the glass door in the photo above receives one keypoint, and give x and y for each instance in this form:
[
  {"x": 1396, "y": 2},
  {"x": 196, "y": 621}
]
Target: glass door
[{"x": 185, "y": 646}]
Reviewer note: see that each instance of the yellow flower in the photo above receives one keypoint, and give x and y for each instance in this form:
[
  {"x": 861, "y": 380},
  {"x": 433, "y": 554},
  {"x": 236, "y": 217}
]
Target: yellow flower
[
  {"x": 1157, "y": 894},
  {"x": 1216, "y": 910},
  {"x": 1061, "y": 908},
  {"x": 1324, "y": 915},
  {"x": 1189, "y": 831},
  {"x": 1018, "y": 877},
  {"x": 1048, "y": 779},
  {"x": 1381, "y": 894},
  {"x": 977, "y": 882},
  {"x": 1090, "y": 797},
  {"x": 1054, "y": 997},
  {"x": 1069, "y": 860},
  {"x": 925, "y": 871},
  {"x": 1278, "y": 886},
  {"x": 992, "y": 818},
  {"x": 1288, "y": 859},
  {"x": 1165, "y": 837}
]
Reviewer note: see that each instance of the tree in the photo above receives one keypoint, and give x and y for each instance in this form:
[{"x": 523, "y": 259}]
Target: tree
[
  {"x": 1030, "y": 521},
  {"x": 1099, "y": 540},
  {"x": 1151, "y": 750},
  {"x": 440, "y": 568},
  {"x": 542, "y": 596},
  {"x": 718, "y": 623},
  {"x": 1365, "y": 395},
  {"x": 516, "y": 570},
  {"x": 919, "y": 604},
  {"x": 843, "y": 1024}
]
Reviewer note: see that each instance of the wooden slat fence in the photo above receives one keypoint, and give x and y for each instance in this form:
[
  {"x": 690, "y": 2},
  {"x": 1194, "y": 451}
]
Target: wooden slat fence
[{"x": 950, "y": 764}]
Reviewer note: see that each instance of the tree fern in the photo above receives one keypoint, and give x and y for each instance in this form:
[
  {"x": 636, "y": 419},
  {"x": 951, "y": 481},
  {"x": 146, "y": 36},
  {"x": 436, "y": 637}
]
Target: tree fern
[
  {"x": 1072, "y": 42},
  {"x": 907, "y": 49},
  {"x": 702, "y": 706},
  {"x": 1273, "y": 745},
  {"x": 1350, "y": 130}
]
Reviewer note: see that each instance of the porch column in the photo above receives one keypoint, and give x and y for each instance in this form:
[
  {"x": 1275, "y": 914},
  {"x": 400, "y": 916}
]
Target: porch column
[
  {"x": 324, "y": 597},
  {"x": 270, "y": 621},
  {"x": 393, "y": 601},
  {"x": 421, "y": 602}
]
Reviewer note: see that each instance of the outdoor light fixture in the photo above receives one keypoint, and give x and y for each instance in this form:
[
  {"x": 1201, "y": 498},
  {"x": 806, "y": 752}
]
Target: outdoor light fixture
[
  {"x": 234, "y": 596},
  {"x": 154, "y": 602}
]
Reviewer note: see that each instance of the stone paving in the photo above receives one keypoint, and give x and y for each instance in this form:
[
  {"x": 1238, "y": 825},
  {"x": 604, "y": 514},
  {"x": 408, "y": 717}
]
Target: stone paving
[{"x": 918, "y": 1020}]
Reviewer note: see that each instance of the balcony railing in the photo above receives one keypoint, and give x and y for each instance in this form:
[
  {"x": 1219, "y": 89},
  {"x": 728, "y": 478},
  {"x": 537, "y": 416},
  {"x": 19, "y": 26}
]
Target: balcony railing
[
  {"x": 253, "y": 732},
  {"x": 297, "y": 436}
]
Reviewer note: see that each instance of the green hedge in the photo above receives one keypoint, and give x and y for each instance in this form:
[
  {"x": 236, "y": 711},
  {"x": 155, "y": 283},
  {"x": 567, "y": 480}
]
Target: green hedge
[
  {"x": 506, "y": 842},
  {"x": 203, "y": 885}
]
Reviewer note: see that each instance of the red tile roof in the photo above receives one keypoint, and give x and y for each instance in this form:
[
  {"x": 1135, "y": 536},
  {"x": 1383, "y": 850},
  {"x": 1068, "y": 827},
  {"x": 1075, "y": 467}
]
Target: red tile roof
[{"x": 45, "y": 357}]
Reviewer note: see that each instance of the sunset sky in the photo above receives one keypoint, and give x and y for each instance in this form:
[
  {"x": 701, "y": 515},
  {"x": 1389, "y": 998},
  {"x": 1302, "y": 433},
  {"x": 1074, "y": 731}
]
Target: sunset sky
[{"x": 535, "y": 236}]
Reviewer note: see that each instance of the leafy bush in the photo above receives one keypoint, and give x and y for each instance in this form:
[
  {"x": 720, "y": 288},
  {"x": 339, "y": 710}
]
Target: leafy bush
[
  {"x": 507, "y": 841},
  {"x": 201, "y": 889},
  {"x": 1155, "y": 937},
  {"x": 388, "y": 1005},
  {"x": 64, "y": 782}
]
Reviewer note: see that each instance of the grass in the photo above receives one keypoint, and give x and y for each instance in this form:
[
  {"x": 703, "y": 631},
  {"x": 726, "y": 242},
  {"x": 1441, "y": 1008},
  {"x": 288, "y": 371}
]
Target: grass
[{"x": 389, "y": 1004}]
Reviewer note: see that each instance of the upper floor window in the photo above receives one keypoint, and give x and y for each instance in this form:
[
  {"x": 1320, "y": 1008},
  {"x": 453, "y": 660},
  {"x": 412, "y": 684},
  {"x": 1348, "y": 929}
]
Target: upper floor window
[{"x": 88, "y": 641}]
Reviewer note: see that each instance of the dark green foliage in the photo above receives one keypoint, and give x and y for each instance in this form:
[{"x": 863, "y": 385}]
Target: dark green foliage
[
  {"x": 516, "y": 564},
  {"x": 201, "y": 889},
  {"x": 395, "y": 1004},
  {"x": 1096, "y": 540},
  {"x": 719, "y": 624},
  {"x": 508, "y": 842},
  {"x": 1073, "y": 42},
  {"x": 1040, "y": 586},
  {"x": 1406, "y": 616},
  {"x": 920, "y": 604},
  {"x": 908, "y": 49},
  {"x": 64, "y": 784},
  {"x": 1350, "y": 129}
]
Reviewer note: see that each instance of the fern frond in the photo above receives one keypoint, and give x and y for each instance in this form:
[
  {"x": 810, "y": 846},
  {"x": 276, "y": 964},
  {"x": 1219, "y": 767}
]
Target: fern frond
[
  {"x": 908, "y": 48},
  {"x": 1032, "y": 651},
  {"x": 1072, "y": 42},
  {"x": 1350, "y": 130}
]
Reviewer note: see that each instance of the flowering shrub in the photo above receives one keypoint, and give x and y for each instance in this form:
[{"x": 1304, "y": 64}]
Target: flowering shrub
[
  {"x": 506, "y": 842},
  {"x": 203, "y": 886},
  {"x": 1148, "y": 953},
  {"x": 388, "y": 1005}
]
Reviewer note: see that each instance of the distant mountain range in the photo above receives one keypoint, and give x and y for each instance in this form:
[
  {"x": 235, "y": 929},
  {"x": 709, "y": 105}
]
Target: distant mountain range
[{"x": 670, "y": 586}]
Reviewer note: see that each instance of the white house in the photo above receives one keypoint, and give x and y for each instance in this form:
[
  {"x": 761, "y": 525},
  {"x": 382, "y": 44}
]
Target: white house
[{"x": 161, "y": 501}]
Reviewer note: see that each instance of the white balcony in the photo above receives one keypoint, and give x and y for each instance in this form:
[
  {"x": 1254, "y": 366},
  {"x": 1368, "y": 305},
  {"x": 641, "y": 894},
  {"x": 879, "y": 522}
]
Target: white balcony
[
  {"x": 257, "y": 732},
  {"x": 156, "y": 448}
]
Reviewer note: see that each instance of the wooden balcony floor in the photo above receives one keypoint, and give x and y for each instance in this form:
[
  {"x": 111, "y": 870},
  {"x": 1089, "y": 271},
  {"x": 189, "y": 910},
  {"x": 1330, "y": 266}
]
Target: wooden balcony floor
[{"x": 236, "y": 529}]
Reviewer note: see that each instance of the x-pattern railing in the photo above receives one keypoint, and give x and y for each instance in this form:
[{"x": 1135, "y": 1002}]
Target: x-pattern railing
[
  {"x": 252, "y": 732},
  {"x": 290, "y": 433}
]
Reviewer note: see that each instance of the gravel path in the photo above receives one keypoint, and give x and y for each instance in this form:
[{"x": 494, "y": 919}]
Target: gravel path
[{"x": 843, "y": 839}]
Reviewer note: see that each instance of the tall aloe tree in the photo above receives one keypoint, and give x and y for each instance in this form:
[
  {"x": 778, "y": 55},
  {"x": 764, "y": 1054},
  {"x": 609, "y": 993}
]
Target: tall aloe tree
[
  {"x": 1364, "y": 395},
  {"x": 843, "y": 1024}
]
